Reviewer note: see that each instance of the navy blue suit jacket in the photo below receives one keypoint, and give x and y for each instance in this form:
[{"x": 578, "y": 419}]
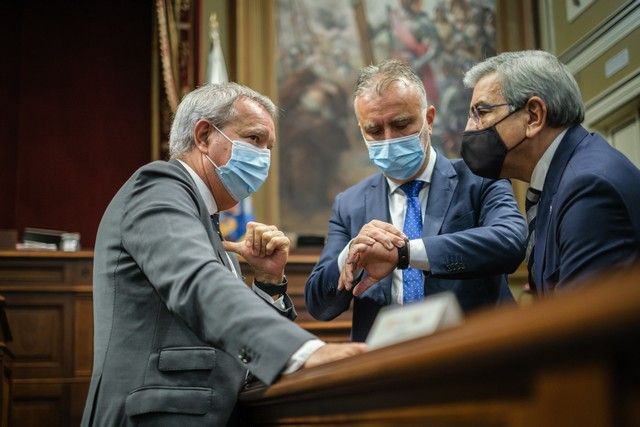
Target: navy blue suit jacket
[
  {"x": 472, "y": 230},
  {"x": 589, "y": 212}
]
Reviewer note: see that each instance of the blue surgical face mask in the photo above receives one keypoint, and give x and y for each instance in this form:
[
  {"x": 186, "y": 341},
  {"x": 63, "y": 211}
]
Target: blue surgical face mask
[
  {"x": 398, "y": 158},
  {"x": 246, "y": 170}
]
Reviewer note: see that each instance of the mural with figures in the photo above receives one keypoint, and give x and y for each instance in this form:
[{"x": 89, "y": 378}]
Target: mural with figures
[{"x": 321, "y": 46}]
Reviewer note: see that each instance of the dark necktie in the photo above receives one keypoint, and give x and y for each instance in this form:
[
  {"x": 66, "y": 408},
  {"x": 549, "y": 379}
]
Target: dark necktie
[
  {"x": 412, "y": 278},
  {"x": 215, "y": 220},
  {"x": 531, "y": 208}
]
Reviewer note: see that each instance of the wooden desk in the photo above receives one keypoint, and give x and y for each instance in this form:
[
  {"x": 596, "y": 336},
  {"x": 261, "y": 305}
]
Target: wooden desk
[
  {"x": 572, "y": 360},
  {"x": 49, "y": 307},
  {"x": 6, "y": 361}
]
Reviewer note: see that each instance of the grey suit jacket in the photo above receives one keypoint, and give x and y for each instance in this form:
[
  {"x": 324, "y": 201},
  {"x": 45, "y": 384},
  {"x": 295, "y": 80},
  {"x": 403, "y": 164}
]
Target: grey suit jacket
[{"x": 174, "y": 330}]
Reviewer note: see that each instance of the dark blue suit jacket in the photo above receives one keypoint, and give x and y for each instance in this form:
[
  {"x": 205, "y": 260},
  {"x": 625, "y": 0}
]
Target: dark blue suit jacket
[
  {"x": 473, "y": 233},
  {"x": 589, "y": 212}
]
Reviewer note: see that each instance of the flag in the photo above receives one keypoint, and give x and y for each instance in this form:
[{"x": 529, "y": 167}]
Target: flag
[
  {"x": 216, "y": 68},
  {"x": 233, "y": 222}
]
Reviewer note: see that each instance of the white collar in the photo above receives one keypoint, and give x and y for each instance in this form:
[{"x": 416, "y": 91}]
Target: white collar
[
  {"x": 204, "y": 191},
  {"x": 424, "y": 176},
  {"x": 542, "y": 167}
]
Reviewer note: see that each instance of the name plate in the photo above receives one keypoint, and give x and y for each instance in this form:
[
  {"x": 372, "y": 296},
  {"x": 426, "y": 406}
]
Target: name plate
[{"x": 400, "y": 323}]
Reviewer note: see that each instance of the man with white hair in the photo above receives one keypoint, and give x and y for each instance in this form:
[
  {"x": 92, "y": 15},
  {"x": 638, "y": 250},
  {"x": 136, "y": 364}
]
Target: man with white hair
[
  {"x": 176, "y": 328},
  {"x": 583, "y": 203}
]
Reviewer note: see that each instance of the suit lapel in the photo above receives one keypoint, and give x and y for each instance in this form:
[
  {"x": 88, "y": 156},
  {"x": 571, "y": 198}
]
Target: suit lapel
[
  {"x": 443, "y": 184},
  {"x": 565, "y": 150},
  {"x": 236, "y": 265},
  {"x": 376, "y": 202},
  {"x": 205, "y": 218},
  {"x": 219, "y": 247}
]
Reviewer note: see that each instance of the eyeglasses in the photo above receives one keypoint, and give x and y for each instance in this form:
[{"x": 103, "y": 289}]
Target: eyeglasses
[{"x": 477, "y": 111}]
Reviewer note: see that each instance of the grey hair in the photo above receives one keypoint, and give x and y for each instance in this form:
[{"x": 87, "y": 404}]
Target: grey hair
[
  {"x": 534, "y": 73},
  {"x": 214, "y": 103},
  {"x": 379, "y": 77}
]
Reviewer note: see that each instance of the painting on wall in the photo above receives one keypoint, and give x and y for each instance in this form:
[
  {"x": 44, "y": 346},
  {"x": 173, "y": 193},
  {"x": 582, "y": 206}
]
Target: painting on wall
[{"x": 321, "y": 46}]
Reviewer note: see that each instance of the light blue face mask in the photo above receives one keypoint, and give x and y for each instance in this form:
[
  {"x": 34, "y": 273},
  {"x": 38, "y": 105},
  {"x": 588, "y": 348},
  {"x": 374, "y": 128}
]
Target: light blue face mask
[
  {"x": 398, "y": 158},
  {"x": 246, "y": 170}
]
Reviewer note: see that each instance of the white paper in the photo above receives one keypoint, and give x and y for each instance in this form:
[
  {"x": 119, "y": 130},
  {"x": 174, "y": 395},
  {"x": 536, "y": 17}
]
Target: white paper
[{"x": 399, "y": 323}]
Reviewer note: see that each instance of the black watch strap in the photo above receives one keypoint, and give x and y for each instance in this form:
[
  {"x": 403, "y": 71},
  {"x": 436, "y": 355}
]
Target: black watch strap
[
  {"x": 403, "y": 256},
  {"x": 272, "y": 288}
]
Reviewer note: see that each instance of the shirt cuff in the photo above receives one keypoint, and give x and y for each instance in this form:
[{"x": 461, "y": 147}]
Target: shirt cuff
[
  {"x": 300, "y": 357},
  {"x": 265, "y": 296},
  {"x": 342, "y": 258},
  {"x": 418, "y": 255}
]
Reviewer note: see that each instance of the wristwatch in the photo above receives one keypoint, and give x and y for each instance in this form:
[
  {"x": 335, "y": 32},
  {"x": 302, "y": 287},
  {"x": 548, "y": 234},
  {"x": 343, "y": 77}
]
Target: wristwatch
[
  {"x": 272, "y": 288},
  {"x": 403, "y": 256}
]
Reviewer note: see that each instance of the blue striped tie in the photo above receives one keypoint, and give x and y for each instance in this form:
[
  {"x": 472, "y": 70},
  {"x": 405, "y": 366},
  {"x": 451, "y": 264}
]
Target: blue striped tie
[
  {"x": 412, "y": 279},
  {"x": 531, "y": 208}
]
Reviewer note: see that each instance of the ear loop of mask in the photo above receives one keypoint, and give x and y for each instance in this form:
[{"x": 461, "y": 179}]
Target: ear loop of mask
[{"x": 227, "y": 138}]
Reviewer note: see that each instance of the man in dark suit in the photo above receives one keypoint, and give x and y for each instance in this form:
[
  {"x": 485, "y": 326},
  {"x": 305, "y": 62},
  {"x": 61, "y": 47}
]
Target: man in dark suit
[
  {"x": 176, "y": 328},
  {"x": 472, "y": 234},
  {"x": 583, "y": 203}
]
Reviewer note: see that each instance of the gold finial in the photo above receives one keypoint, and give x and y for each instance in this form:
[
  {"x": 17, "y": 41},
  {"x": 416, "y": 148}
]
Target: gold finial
[{"x": 213, "y": 26}]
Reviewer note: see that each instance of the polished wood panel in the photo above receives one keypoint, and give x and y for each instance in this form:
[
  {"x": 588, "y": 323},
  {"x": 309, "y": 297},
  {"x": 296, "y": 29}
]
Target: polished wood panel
[
  {"x": 48, "y": 304},
  {"x": 6, "y": 367},
  {"x": 83, "y": 333},
  {"x": 40, "y": 404},
  {"x": 41, "y": 343},
  {"x": 568, "y": 360},
  {"x": 49, "y": 299}
]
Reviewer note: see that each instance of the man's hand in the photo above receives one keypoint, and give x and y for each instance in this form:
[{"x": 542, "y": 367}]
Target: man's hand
[
  {"x": 377, "y": 261},
  {"x": 266, "y": 249},
  {"x": 382, "y": 232},
  {"x": 331, "y": 352},
  {"x": 372, "y": 233}
]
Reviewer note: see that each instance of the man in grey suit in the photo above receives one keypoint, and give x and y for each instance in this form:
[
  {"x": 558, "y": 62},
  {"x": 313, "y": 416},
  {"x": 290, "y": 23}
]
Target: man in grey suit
[{"x": 176, "y": 328}]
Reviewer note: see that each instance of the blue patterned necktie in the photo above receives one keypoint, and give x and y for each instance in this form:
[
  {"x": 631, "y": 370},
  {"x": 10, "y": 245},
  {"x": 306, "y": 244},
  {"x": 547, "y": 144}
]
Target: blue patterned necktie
[
  {"x": 412, "y": 279},
  {"x": 531, "y": 208}
]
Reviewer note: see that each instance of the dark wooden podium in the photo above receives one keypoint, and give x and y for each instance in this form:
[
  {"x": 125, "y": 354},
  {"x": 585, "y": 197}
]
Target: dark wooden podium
[
  {"x": 572, "y": 360},
  {"x": 49, "y": 307},
  {"x": 6, "y": 362}
]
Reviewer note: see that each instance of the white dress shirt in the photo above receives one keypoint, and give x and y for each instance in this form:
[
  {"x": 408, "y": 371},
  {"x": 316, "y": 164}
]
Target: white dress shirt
[
  {"x": 397, "y": 209},
  {"x": 542, "y": 167},
  {"x": 298, "y": 358}
]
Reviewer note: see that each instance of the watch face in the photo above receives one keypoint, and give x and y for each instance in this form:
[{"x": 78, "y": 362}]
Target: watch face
[{"x": 403, "y": 257}]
